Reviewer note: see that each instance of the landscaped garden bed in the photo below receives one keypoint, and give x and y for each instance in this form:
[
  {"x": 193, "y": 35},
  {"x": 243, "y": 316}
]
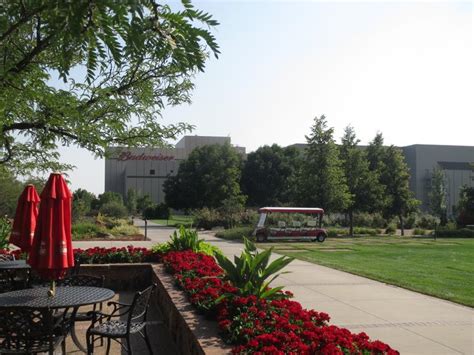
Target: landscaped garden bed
[
  {"x": 105, "y": 228},
  {"x": 234, "y": 299}
]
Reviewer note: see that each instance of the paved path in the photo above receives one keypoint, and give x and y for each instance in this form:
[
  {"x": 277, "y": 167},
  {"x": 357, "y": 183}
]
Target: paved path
[{"x": 409, "y": 321}]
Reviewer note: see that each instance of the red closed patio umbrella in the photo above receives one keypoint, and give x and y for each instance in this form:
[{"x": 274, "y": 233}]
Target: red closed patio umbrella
[
  {"x": 51, "y": 253},
  {"x": 25, "y": 219}
]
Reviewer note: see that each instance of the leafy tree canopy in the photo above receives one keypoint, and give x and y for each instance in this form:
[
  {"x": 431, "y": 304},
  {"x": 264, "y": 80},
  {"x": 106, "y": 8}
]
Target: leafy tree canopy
[
  {"x": 266, "y": 175},
  {"x": 210, "y": 176},
  {"x": 120, "y": 62}
]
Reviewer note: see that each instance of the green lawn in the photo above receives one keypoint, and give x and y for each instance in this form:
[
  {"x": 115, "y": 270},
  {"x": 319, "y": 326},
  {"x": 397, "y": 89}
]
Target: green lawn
[
  {"x": 443, "y": 268},
  {"x": 175, "y": 221}
]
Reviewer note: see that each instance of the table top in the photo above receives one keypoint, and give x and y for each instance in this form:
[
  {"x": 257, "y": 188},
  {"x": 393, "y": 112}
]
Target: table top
[
  {"x": 66, "y": 296},
  {"x": 14, "y": 264}
]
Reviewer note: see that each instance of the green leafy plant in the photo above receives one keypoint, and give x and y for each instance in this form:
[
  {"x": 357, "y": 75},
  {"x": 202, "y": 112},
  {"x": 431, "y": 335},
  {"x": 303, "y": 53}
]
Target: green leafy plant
[
  {"x": 252, "y": 272},
  {"x": 186, "y": 239},
  {"x": 5, "y": 230}
]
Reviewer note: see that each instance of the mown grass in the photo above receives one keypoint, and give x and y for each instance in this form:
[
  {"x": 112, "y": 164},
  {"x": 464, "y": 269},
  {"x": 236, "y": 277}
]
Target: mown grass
[
  {"x": 442, "y": 268},
  {"x": 176, "y": 221}
]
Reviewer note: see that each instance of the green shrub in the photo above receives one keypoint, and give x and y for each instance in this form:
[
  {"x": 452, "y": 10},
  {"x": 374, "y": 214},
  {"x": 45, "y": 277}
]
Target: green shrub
[
  {"x": 124, "y": 229},
  {"x": 235, "y": 233},
  {"x": 85, "y": 229},
  {"x": 207, "y": 218},
  {"x": 427, "y": 221},
  {"x": 419, "y": 231},
  {"x": 160, "y": 211},
  {"x": 367, "y": 231},
  {"x": 186, "y": 239},
  {"x": 369, "y": 220},
  {"x": 411, "y": 221},
  {"x": 443, "y": 232},
  {"x": 114, "y": 209},
  {"x": 253, "y": 272},
  {"x": 5, "y": 230},
  {"x": 391, "y": 229},
  {"x": 332, "y": 233},
  {"x": 337, "y": 232}
]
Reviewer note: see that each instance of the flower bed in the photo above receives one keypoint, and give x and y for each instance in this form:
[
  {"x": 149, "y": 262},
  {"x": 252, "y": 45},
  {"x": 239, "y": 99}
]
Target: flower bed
[
  {"x": 98, "y": 255},
  {"x": 258, "y": 326}
]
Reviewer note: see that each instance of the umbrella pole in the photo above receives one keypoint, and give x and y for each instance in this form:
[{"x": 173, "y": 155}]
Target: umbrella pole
[{"x": 52, "y": 289}]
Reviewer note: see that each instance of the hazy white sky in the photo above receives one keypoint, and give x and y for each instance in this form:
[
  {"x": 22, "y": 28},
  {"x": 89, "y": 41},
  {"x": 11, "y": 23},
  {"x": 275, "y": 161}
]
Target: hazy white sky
[{"x": 402, "y": 68}]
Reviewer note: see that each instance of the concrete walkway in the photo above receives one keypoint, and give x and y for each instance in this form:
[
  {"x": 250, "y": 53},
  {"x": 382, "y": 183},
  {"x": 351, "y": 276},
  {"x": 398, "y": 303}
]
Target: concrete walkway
[{"x": 410, "y": 322}]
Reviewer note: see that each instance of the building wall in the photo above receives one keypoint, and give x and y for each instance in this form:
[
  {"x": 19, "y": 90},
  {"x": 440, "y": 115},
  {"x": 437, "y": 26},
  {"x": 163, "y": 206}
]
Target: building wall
[
  {"x": 146, "y": 169},
  {"x": 454, "y": 161}
]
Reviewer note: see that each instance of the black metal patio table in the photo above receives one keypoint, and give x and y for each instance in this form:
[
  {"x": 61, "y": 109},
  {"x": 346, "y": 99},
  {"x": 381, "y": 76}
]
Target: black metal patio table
[{"x": 66, "y": 297}]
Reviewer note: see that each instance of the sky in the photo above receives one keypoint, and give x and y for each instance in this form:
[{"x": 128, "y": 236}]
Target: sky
[{"x": 401, "y": 68}]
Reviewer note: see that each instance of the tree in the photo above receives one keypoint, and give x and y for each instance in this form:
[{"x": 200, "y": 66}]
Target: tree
[
  {"x": 375, "y": 153},
  {"x": 121, "y": 63},
  {"x": 321, "y": 180},
  {"x": 465, "y": 206},
  {"x": 108, "y": 197},
  {"x": 209, "y": 176},
  {"x": 82, "y": 203},
  {"x": 438, "y": 195},
  {"x": 266, "y": 175},
  {"x": 363, "y": 185},
  {"x": 131, "y": 201},
  {"x": 143, "y": 202},
  {"x": 395, "y": 178},
  {"x": 10, "y": 190}
]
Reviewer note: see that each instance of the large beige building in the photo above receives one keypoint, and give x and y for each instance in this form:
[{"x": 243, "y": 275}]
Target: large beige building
[{"x": 146, "y": 169}]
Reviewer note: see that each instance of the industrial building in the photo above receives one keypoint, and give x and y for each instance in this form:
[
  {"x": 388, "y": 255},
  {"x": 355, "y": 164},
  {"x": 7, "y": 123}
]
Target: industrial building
[
  {"x": 146, "y": 169},
  {"x": 456, "y": 162}
]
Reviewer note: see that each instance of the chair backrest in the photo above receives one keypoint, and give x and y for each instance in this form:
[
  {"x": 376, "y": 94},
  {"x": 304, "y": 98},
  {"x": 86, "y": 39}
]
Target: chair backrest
[
  {"x": 83, "y": 280},
  {"x": 296, "y": 224},
  {"x": 139, "y": 306},
  {"x": 6, "y": 257},
  {"x": 26, "y": 330}
]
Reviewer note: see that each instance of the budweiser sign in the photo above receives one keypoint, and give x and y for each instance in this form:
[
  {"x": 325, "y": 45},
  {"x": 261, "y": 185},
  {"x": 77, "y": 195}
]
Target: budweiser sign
[{"x": 129, "y": 156}]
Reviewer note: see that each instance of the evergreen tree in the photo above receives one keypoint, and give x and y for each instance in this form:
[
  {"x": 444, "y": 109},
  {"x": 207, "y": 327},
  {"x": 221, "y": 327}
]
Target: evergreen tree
[
  {"x": 321, "y": 181},
  {"x": 375, "y": 153},
  {"x": 395, "y": 177},
  {"x": 363, "y": 185},
  {"x": 438, "y": 195}
]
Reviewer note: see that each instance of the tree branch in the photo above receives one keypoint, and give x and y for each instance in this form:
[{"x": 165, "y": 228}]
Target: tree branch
[{"x": 20, "y": 22}]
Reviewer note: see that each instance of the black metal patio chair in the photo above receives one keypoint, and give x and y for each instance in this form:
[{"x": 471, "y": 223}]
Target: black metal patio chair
[
  {"x": 122, "y": 322},
  {"x": 30, "y": 331},
  {"x": 6, "y": 281}
]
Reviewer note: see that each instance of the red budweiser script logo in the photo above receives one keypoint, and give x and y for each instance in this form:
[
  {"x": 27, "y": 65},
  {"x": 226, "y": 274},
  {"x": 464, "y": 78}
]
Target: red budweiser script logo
[{"x": 129, "y": 156}]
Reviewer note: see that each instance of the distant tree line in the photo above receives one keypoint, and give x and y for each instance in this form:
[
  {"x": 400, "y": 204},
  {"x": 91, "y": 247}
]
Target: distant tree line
[{"x": 344, "y": 177}]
